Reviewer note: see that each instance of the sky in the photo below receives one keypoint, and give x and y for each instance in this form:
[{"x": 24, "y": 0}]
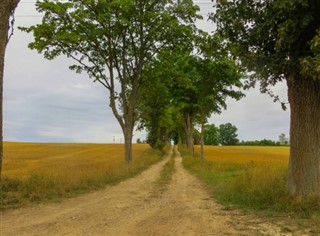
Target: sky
[{"x": 46, "y": 102}]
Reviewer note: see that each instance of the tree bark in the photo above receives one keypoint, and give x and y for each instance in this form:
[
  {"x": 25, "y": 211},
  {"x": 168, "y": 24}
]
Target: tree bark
[
  {"x": 6, "y": 9},
  {"x": 128, "y": 146},
  {"x": 127, "y": 120},
  {"x": 304, "y": 163},
  {"x": 189, "y": 125},
  {"x": 202, "y": 140}
]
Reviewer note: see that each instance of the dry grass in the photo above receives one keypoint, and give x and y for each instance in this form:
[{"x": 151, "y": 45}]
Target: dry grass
[
  {"x": 251, "y": 178},
  {"x": 21, "y": 160},
  {"x": 34, "y": 172}
]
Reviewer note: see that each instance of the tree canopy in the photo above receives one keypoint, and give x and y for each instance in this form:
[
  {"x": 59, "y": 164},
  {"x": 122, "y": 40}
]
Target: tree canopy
[
  {"x": 274, "y": 39},
  {"x": 211, "y": 135},
  {"x": 228, "y": 134}
]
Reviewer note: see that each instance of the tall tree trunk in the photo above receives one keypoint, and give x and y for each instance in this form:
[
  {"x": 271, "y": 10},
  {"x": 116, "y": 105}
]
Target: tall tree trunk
[
  {"x": 127, "y": 120},
  {"x": 183, "y": 135},
  {"x": 128, "y": 145},
  {"x": 189, "y": 126},
  {"x": 202, "y": 139},
  {"x": 6, "y": 9},
  {"x": 304, "y": 162},
  {"x": 127, "y": 124},
  {"x": 127, "y": 129}
]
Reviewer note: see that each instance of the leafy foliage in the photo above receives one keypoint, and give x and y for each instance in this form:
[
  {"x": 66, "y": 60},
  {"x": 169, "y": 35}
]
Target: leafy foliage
[
  {"x": 273, "y": 39},
  {"x": 211, "y": 135},
  {"x": 228, "y": 134}
]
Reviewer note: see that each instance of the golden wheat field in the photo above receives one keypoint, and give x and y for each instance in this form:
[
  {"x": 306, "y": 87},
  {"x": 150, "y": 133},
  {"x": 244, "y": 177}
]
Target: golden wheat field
[
  {"x": 246, "y": 154},
  {"x": 37, "y": 172},
  {"x": 24, "y": 159}
]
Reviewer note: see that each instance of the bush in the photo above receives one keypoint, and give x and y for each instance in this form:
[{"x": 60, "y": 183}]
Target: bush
[{"x": 159, "y": 145}]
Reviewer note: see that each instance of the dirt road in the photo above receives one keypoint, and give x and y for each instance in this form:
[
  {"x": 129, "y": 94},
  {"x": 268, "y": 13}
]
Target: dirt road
[{"x": 136, "y": 207}]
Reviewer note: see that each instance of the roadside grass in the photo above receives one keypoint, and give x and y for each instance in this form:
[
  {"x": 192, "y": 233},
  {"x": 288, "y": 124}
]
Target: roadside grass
[
  {"x": 251, "y": 178},
  {"x": 166, "y": 173},
  {"x": 35, "y": 173}
]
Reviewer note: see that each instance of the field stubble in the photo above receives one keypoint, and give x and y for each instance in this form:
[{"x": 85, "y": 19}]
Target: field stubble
[{"x": 34, "y": 172}]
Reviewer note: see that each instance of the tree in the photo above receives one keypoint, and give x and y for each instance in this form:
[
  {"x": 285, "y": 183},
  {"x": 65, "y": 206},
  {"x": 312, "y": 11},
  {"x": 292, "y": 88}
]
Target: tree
[
  {"x": 155, "y": 111},
  {"x": 263, "y": 142},
  {"x": 228, "y": 134},
  {"x": 217, "y": 79},
  {"x": 112, "y": 41},
  {"x": 184, "y": 94},
  {"x": 7, "y": 8},
  {"x": 211, "y": 134},
  {"x": 196, "y": 137},
  {"x": 283, "y": 139},
  {"x": 280, "y": 40}
]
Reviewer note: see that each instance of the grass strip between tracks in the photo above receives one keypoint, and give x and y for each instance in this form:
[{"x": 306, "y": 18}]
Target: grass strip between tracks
[{"x": 166, "y": 173}]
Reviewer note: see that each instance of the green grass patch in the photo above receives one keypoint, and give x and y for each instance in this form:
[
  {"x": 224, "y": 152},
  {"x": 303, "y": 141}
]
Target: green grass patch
[
  {"x": 43, "y": 187},
  {"x": 167, "y": 171},
  {"x": 252, "y": 186}
]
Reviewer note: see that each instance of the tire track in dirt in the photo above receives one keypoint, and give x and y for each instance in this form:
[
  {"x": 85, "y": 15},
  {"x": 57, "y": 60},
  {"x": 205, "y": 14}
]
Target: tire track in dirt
[{"x": 136, "y": 207}]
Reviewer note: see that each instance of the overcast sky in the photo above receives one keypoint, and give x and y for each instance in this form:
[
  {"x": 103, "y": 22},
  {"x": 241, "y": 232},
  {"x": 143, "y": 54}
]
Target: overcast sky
[{"x": 46, "y": 102}]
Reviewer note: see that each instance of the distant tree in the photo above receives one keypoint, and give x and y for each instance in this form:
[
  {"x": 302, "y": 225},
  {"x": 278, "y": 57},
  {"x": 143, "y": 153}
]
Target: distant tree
[
  {"x": 196, "y": 137},
  {"x": 153, "y": 109},
  {"x": 174, "y": 136},
  {"x": 264, "y": 142},
  {"x": 184, "y": 95},
  {"x": 279, "y": 40},
  {"x": 175, "y": 71},
  {"x": 7, "y": 8},
  {"x": 217, "y": 79},
  {"x": 228, "y": 134},
  {"x": 112, "y": 41},
  {"x": 211, "y": 135},
  {"x": 283, "y": 139}
]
